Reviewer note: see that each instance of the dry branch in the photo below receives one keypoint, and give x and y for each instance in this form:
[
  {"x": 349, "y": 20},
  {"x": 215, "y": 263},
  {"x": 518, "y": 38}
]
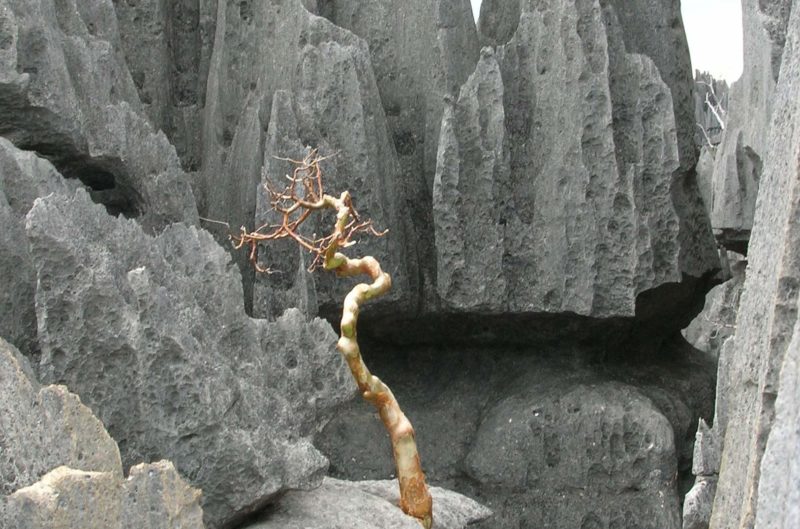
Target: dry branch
[{"x": 303, "y": 195}]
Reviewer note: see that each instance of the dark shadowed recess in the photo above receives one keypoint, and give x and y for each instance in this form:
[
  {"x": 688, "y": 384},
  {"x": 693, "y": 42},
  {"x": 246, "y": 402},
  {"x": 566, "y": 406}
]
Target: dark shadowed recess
[
  {"x": 51, "y": 137},
  {"x": 660, "y": 314}
]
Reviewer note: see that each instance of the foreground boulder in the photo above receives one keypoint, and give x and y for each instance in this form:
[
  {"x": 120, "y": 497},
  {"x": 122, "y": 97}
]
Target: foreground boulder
[
  {"x": 45, "y": 427},
  {"x": 542, "y": 437},
  {"x": 151, "y": 332},
  {"x": 47, "y": 433},
  {"x": 341, "y": 504},
  {"x": 153, "y": 497}
]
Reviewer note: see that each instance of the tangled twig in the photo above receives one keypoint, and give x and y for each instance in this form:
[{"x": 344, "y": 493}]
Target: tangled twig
[{"x": 303, "y": 194}]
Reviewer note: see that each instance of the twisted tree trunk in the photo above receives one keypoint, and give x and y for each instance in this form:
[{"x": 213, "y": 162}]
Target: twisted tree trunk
[{"x": 415, "y": 499}]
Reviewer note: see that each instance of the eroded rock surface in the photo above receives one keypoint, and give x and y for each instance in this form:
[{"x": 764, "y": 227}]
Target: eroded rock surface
[
  {"x": 154, "y": 496},
  {"x": 421, "y": 51},
  {"x": 337, "y": 108},
  {"x": 167, "y": 47},
  {"x": 66, "y": 93},
  {"x": 709, "y": 331},
  {"x": 151, "y": 332},
  {"x": 739, "y": 162},
  {"x": 583, "y": 220},
  {"x": 47, "y": 433},
  {"x": 45, "y": 427},
  {"x": 23, "y": 177},
  {"x": 753, "y": 414},
  {"x": 341, "y": 504}
]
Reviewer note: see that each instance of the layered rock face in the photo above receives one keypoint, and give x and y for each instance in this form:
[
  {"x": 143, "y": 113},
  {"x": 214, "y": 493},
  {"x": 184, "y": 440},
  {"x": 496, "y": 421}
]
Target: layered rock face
[
  {"x": 739, "y": 161},
  {"x": 756, "y": 411},
  {"x": 583, "y": 220}
]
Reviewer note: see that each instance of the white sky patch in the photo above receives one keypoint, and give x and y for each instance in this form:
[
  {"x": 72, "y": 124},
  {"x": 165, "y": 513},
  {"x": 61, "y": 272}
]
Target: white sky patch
[{"x": 714, "y": 31}]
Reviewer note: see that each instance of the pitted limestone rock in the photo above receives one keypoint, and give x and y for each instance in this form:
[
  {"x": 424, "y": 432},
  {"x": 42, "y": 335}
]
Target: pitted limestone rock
[
  {"x": 66, "y": 93},
  {"x": 581, "y": 221},
  {"x": 154, "y": 496},
  {"x": 339, "y": 504},
  {"x": 153, "y": 335}
]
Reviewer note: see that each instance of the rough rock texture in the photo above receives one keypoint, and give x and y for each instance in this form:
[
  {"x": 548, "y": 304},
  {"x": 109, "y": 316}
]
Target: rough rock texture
[
  {"x": 45, "y": 427},
  {"x": 167, "y": 46},
  {"x": 498, "y": 21},
  {"x": 654, "y": 28},
  {"x": 66, "y": 93},
  {"x": 739, "y": 162},
  {"x": 709, "y": 95},
  {"x": 47, "y": 433},
  {"x": 650, "y": 28},
  {"x": 705, "y": 176},
  {"x": 542, "y": 436},
  {"x": 753, "y": 369},
  {"x": 134, "y": 323},
  {"x": 421, "y": 51},
  {"x": 23, "y": 177},
  {"x": 341, "y": 504},
  {"x": 582, "y": 220},
  {"x": 153, "y": 497},
  {"x": 705, "y": 466},
  {"x": 336, "y": 106},
  {"x": 709, "y": 331}
]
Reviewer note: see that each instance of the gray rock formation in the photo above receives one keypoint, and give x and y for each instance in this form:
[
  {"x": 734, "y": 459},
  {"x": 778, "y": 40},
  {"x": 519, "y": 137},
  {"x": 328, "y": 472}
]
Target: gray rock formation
[
  {"x": 544, "y": 438},
  {"x": 337, "y": 108},
  {"x": 705, "y": 466},
  {"x": 66, "y": 93},
  {"x": 153, "y": 497},
  {"x": 421, "y": 52},
  {"x": 45, "y": 427},
  {"x": 582, "y": 454},
  {"x": 47, "y": 433},
  {"x": 23, "y": 177},
  {"x": 580, "y": 221},
  {"x": 498, "y": 21},
  {"x": 151, "y": 332},
  {"x": 759, "y": 365},
  {"x": 653, "y": 29},
  {"x": 167, "y": 47},
  {"x": 705, "y": 176},
  {"x": 709, "y": 331},
  {"x": 341, "y": 504},
  {"x": 739, "y": 162}
]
